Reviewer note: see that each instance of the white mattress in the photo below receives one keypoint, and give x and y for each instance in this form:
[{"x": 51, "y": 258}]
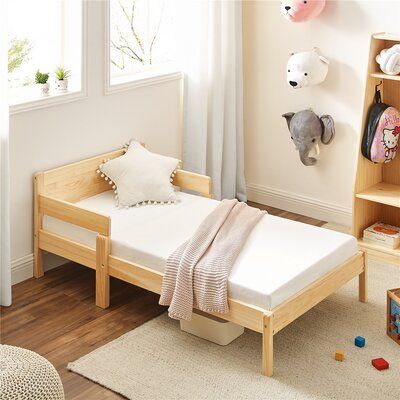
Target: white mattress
[{"x": 279, "y": 259}]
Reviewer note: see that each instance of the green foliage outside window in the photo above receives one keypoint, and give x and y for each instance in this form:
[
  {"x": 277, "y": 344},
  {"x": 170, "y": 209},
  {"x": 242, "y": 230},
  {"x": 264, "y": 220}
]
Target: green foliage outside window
[{"x": 18, "y": 53}]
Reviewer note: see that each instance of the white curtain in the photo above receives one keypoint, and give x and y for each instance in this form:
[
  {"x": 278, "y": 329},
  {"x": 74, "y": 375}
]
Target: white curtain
[
  {"x": 5, "y": 265},
  {"x": 211, "y": 57}
]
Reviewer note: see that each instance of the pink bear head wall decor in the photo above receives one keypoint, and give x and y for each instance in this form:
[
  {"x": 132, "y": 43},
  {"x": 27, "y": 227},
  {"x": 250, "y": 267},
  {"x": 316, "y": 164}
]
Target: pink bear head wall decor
[{"x": 301, "y": 10}]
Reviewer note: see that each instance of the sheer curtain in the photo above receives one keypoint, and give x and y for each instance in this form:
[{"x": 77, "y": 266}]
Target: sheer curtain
[
  {"x": 5, "y": 265},
  {"x": 211, "y": 57}
]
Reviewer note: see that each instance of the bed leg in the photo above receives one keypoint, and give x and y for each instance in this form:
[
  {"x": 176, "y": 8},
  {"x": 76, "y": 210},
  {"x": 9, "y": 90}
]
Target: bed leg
[
  {"x": 102, "y": 276},
  {"x": 363, "y": 283},
  {"x": 268, "y": 346},
  {"x": 38, "y": 262}
]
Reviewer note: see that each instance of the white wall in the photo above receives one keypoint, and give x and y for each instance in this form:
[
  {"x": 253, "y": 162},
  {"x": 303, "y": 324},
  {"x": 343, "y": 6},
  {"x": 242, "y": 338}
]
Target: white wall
[
  {"x": 274, "y": 172},
  {"x": 54, "y": 136}
]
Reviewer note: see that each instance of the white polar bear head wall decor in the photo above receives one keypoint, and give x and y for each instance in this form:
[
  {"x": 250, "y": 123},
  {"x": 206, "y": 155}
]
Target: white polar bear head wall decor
[
  {"x": 389, "y": 60},
  {"x": 301, "y": 10},
  {"x": 306, "y": 69}
]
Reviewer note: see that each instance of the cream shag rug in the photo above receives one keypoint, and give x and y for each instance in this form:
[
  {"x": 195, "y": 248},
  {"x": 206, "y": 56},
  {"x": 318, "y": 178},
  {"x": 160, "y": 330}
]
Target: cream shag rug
[{"x": 158, "y": 361}]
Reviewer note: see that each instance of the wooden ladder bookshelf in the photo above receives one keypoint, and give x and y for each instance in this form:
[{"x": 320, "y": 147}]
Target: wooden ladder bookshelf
[{"x": 377, "y": 186}]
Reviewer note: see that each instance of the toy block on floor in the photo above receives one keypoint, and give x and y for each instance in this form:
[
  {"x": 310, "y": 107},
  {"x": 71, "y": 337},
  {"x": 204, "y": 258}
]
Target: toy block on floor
[
  {"x": 359, "y": 341},
  {"x": 380, "y": 364},
  {"x": 339, "y": 355}
]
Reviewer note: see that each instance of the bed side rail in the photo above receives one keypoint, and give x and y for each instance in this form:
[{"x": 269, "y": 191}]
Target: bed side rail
[
  {"x": 192, "y": 181},
  {"x": 74, "y": 214}
]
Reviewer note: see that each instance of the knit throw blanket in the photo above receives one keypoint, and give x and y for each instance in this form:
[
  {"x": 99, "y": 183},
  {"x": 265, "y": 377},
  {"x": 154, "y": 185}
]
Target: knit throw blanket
[{"x": 197, "y": 272}]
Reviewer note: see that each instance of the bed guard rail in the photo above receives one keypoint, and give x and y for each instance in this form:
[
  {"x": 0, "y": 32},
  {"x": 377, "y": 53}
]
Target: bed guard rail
[{"x": 74, "y": 214}]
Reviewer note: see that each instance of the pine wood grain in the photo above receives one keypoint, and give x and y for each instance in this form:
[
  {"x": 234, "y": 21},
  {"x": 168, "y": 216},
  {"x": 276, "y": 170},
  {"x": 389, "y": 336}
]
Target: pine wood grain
[
  {"x": 76, "y": 215},
  {"x": 38, "y": 269},
  {"x": 267, "y": 347},
  {"x": 377, "y": 186}
]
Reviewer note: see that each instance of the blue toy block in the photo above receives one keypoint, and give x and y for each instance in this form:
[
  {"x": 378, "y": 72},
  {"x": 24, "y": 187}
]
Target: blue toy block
[{"x": 359, "y": 341}]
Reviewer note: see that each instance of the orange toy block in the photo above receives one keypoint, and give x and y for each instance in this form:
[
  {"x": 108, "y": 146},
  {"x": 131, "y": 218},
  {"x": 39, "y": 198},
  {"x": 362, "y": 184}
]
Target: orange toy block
[{"x": 339, "y": 355}]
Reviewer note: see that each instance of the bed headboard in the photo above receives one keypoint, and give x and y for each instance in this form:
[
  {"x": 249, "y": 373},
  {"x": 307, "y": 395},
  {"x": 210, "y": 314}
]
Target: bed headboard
[{"x": 77, "y": 181}]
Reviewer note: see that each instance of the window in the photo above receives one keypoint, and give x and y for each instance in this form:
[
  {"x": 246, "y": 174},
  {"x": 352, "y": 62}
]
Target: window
[
  {"x": 44, "y": 35},
  {"x": 141, "y": 40}
]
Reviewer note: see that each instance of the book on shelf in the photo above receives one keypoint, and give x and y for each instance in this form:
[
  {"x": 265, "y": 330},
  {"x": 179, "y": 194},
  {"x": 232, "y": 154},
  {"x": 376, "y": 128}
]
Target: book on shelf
[{"x": 383, "y": 234}]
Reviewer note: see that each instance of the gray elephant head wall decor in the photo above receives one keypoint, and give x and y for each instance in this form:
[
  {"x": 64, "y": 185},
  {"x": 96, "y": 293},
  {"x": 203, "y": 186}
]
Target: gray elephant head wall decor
[{"x": 307, "y": 130}]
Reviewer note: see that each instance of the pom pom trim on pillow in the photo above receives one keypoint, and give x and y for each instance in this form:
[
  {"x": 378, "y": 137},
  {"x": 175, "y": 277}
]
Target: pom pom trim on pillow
[{"x": 114, "y": 186}]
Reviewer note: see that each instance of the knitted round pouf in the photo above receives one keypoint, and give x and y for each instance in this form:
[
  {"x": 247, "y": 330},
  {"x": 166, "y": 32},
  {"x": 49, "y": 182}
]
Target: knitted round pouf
[{"x": 27, "y": 375}]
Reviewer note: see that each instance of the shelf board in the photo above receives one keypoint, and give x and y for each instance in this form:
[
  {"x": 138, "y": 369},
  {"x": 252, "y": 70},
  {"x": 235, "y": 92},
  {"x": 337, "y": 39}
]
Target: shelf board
[
  {"x": 387, "y": 36},
  {"x": 381, "y": 75},
  {"x": 374, "y": 249},
  {"x": 383, "y": 193}
]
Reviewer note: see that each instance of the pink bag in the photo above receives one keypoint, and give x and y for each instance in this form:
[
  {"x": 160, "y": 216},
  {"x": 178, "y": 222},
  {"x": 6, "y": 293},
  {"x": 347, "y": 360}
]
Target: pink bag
[{"x": 382, "y": 132}]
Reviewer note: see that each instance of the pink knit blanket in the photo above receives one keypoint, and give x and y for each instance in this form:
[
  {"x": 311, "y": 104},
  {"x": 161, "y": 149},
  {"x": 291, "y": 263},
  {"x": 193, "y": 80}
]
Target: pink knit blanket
[{"x": 197, "y": 272}]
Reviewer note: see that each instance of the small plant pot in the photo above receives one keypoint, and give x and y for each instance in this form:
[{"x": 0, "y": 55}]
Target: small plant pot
[
  {"x": 44, "y": 88},
  {"x": 62, "y": 85}
]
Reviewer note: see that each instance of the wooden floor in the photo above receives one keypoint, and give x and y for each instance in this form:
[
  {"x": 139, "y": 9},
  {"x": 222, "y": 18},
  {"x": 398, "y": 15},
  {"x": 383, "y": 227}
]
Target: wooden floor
[{"x": 56, "y": 317}]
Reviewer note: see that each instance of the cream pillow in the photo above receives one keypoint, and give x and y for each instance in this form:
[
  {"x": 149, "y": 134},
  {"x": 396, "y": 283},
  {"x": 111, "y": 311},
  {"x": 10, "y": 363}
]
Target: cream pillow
[{"x": 140, "y": 176}]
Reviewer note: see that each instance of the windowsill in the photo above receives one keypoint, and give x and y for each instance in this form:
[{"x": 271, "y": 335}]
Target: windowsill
[
  {"x": 140, "y": 79},
  {"x": 28, "y": 99}
]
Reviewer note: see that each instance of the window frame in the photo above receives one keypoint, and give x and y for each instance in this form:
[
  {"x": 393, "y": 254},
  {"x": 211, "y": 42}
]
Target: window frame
[
  {"x": 61, "y": 98},
  {"x": 139, "y": 79}
]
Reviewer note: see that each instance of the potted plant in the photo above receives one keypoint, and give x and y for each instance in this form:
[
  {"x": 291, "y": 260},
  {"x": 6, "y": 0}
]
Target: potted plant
[
  {"x": 41, "y": 81},
  {"x": 62, "y": 76}
]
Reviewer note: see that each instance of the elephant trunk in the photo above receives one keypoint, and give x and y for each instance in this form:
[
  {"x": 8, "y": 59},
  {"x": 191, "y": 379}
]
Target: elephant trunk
[{"x": 305, "y": 159}]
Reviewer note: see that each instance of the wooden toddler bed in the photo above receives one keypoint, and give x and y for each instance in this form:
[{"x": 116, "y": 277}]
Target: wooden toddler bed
[{"x": 74, "y": 194}]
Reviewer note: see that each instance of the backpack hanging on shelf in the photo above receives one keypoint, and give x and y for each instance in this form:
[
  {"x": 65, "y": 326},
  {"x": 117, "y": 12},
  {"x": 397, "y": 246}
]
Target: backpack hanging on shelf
[{"x": 382, "y": 132}]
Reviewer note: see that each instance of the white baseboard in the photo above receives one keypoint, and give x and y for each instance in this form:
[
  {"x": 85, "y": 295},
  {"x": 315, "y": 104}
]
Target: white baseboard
[
  {"x": 22, "y": 268},
  {"x": 299, "y": 204}
]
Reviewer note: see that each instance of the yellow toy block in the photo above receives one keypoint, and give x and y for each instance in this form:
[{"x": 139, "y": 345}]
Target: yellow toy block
[{"x": 339, "y": 355}]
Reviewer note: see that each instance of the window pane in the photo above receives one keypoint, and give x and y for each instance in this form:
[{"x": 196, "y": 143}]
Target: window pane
[
  {"x": 43, "y": 34},
  {"x": 141, "y": 35}
]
